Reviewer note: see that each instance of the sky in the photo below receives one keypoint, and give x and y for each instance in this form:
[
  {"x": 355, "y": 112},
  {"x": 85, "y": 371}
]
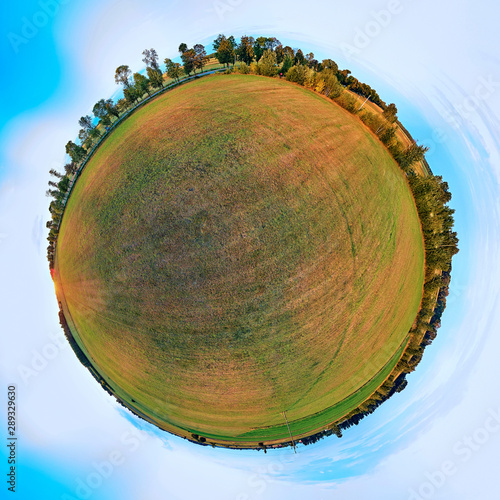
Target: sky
[{"x": 439, "y": 438}]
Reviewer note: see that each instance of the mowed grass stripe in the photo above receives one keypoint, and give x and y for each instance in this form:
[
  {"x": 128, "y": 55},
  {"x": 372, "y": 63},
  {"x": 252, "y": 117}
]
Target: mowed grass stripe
[{"x": 236, "y": 248}]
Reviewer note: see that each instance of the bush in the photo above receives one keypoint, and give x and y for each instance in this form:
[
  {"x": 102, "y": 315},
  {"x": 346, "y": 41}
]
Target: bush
[
  {"x": 267, "y": 64},
  {"x": 311, "y": 78},
  {"x": 348, "y": 102},
  {"x": 388, "y": 135},
  {"x": 243, "y": 68},
  {"x": 371, "y": 120},
  {"x": 297, "y": 74},
  {"x": 254, "y": 68}
]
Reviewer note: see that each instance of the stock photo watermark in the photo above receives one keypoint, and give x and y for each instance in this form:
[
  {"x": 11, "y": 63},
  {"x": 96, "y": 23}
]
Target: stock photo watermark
[
  {"x": 40, "y": 359},
  {"x": 257, "y": 483},
  {"x": 223, "y": 7},
  {"x": 31, "y": 25},
  {"x": 363, "y": 36},
  {"x": 463, "y": 450},
  {"x": 130, "y": 442},
  {"x": 471, "y": 105}
]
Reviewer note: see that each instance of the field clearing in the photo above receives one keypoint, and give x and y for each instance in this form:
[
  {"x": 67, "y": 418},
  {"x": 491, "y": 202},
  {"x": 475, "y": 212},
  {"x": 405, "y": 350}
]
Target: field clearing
[{"x": 237, "y": 248}]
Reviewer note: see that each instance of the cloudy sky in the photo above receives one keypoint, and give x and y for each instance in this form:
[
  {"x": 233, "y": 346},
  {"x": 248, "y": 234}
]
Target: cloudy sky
[{"x": 440, "y": 438}]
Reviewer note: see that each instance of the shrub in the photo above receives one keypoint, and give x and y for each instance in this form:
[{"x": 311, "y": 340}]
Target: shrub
[
  {"x": 254, "y": 68},
  {"x": 348, "y": 102},
  {"x": 371, "y": 120},
  {"x": 297, "y": 74},
  {"x": 267, "y": 64},
  {"x": 243, "y": 68}
]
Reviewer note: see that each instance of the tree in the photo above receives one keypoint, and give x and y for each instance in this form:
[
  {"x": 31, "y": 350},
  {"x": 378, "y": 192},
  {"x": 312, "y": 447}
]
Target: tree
[
  {"x": 55, "y": 173},
  {"x": 173, "y": 69},
  {"x": 280, "y": 54},
  {"x": 313, "y": 64},
  {"x": 54, "y": 193},
  {"x": 287, "y": 64},
  {"x": 182, "y": 48},
  {"x": 268, "y": 63},
  {"x": 130, "y": 95},
  {"x": 141, "y": 84},
  {"x": 297, "y": 74},
  {"x": 218, "y": 41},
  {"x": 200, "y": 58},
  {"x": 188, "y": 59},
  {"x": 288, "y": 51},
  {"x": 86, "y": 122},
  {"x": 388, "y": 135},
  {"x": 112, "y": 108},
  {"x": 272, "y": 43},
  {"x": 343, "y": 76},
  {"x": 259, "y": 47},
  {"x": 151, "y": 59},
  {"x": 121, "y": 105},
  {"x": 155, "y": 77},
  {"x": 390, "y": 112},
  {"x": 332, "y": 86},
  {"x": 225, "y": 52},
  {"x": 330, "y": 64},
  {"x": 245, "y": 51},
  {"x": 122, "y": 76},
  {"x": 101, "y": 112},
  {"x": 83, "y": 135},
  {"x": 70, "y": 168},
  {"x": 411, "y": 155},
  {"x": 232, "y": 41},
  {"x": 94, "y": 133},
  {"x": 309, "y": 57},
  {"x": 299, "y": 58},
  {"x": 75, "y": 151}
]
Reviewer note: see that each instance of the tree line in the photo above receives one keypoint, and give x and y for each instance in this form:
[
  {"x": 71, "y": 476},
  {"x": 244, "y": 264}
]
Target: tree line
[
  {"x": 266, "y": 56},
  {"x": 261, "y": 55}
]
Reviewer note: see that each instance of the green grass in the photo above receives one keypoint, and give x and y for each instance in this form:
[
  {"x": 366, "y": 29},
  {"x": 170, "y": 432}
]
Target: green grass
[{"x": 239, "y": 247}]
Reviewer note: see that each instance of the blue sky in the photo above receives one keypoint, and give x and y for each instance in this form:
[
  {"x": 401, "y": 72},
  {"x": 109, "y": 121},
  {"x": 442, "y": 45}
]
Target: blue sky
[{"x": 437, "y": 439}]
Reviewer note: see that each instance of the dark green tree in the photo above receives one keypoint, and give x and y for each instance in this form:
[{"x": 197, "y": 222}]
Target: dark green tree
[
  {"x": 75, "y": 151},
  {"x": 155, "y": 77},
  {"x": 141, "y": 85},
  {"x": 412, "y": 154},
  {"x": 86, "y": 122},
  {"x": 299, "y": 58},
  {"x": 259, "y": 47},
  {"x": 112, "y": 108},
  {"x": 101, "y": 112},
  {"x": 287, "y": 64},
  {"x": 200, "y": 57},
  {"x": 188, "y": 59},
  {"x": 390, "y": 113},
  {"x": 70, "y": 168},
  {"x": 280, "y": 54},
  {"x": 225, "y": 51},
  {"x": 245, "y": 51},
  {"x": 130, "y": 95}
]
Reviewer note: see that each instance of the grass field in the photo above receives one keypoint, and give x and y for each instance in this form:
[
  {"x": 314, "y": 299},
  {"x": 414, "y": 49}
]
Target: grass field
[{"x": 237, "y": 248}]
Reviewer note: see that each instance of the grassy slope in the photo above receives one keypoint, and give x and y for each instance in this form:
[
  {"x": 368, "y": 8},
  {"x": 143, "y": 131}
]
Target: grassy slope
[{"x": 259, "y": 252}]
